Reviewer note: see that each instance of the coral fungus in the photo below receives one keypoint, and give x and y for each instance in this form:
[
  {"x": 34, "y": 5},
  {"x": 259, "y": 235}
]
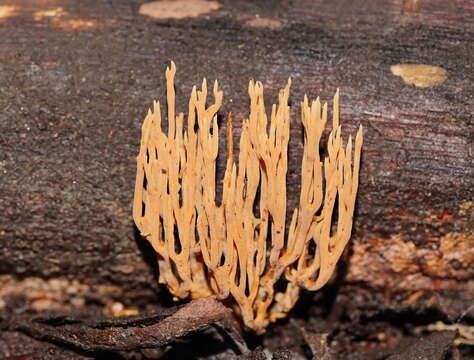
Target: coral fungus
[{"x": 239, "y": 249}]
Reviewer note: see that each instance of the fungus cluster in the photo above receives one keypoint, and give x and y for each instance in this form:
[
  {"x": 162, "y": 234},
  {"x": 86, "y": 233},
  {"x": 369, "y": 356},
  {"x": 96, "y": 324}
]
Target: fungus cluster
[{"x": 239, "y": 249}]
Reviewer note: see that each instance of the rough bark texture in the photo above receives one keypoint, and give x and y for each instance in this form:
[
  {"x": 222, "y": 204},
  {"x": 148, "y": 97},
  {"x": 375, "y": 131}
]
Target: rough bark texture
[{"x": 73, "y": 98}]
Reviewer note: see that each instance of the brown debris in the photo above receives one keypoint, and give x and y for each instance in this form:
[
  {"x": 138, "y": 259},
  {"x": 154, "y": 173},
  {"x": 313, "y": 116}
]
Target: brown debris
[
  {"x": 318, "y": 343},
  {"x": 58, "y": 294},
  {"x": 127, "y": 333},
  {"x": 465, "y": 332},
  {"x": 431, "y": 347},
  {"x": 410, "y": 267}
]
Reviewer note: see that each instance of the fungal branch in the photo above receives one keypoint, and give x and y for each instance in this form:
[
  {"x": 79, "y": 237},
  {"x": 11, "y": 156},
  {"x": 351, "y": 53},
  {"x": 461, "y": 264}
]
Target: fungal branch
[{"x": 228, "y": 250}]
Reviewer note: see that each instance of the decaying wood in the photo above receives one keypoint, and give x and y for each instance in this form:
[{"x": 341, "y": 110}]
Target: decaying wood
[
  {"x": 434, "y": 346},
  {"x": 71, "y": 111},
  {"x": 128, "y": 333}
]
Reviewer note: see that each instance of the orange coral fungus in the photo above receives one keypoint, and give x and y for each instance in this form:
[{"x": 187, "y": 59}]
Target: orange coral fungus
[{"x": 227, "y": 250}]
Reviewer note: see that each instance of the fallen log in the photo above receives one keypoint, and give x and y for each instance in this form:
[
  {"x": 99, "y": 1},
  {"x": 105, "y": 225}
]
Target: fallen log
[{"x": 71, "y": 117}]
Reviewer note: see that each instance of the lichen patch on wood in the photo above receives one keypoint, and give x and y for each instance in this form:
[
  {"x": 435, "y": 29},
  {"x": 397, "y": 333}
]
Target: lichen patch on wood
[
  {"x": 178, "y": 9},
  {"x": 264, "y": 22},
  {"x": 420, "y": 75},
  {"x": 7, "y": 11}
]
